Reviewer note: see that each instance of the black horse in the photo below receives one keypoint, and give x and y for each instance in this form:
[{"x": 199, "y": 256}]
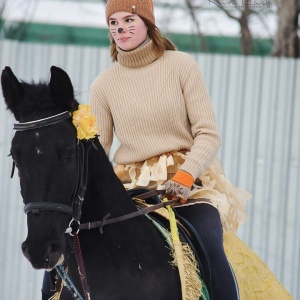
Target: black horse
[{"x": 130, "y": 260}]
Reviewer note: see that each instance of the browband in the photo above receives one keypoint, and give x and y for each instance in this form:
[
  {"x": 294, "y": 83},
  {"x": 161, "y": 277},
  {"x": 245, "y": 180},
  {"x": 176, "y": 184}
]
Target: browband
[{"x": 42, "y": 122}]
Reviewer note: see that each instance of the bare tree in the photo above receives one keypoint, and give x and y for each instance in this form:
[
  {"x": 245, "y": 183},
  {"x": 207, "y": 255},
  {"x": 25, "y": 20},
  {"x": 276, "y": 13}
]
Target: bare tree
[
  {"x": 2, "y": 8},
  {"x": 287, "y": 40},
  {"x": 240, "y": 13},
  {"x": 19, "y": 28},
  {"x": 192, "y": 10}
]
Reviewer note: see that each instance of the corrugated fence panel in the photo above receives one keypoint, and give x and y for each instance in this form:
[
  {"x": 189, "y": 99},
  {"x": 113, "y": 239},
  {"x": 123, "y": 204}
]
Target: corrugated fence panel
[
  {"x": 295, "y": 185},
  {"x": 257, "y": 108},
  {"x": 18, "y": 280}
]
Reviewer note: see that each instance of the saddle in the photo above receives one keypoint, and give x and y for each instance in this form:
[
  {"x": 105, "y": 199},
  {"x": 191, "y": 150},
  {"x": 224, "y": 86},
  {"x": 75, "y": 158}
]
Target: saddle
[{"x": 187, "y": 232}]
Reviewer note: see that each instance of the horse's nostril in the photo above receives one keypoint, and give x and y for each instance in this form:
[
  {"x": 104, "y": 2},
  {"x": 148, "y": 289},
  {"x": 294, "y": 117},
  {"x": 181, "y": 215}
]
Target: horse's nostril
[
  {"x": 42, "y": 257},
  {"x": 52, "y": 253},
  {"x": 54, "y": 248}
]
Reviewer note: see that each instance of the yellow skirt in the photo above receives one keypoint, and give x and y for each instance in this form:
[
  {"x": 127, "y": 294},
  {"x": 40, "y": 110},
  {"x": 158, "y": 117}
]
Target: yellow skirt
[{"x": 254, "y": 278}]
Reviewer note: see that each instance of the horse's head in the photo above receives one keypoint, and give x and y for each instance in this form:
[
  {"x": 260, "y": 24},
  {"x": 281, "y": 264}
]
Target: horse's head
[{"x": 45, "y": 154}]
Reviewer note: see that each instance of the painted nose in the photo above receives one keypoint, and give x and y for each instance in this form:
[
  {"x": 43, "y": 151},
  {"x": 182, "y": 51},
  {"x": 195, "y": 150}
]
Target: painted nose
[{"x": 120, "y": 30}]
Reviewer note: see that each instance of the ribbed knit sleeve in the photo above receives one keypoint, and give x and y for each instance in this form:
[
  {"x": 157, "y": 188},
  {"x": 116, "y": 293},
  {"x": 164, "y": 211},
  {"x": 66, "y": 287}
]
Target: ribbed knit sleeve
[
  {"x": 203, "y": 123},
  {"x": 103, "y": 115}
]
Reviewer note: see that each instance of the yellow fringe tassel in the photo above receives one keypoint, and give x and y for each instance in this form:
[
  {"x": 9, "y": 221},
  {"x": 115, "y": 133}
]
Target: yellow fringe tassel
[
  {"x": 186, "y": 262},
  {"x": 56, "y": 296},
  {"x": 59, "y": 287}
]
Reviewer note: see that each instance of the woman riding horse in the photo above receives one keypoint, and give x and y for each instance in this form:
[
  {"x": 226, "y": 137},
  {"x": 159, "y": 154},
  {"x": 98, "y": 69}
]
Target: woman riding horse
[
  {"x": 130, "y": 259},
  {"x": 155, "y": 99}
]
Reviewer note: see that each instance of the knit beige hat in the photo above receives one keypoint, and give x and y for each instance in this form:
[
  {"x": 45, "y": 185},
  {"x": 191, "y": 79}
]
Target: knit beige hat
[{"x": 142, "y": 8}]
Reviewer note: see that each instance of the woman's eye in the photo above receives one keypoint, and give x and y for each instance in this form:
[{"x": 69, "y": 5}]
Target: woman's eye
[
  {"x": 113, "y": 23},
  {"x": 128, "y": 20}
]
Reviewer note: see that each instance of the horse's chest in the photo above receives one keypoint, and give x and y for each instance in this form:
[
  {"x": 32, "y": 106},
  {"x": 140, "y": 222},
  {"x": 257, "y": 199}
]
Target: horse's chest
[{"x": 123, "y": 270}]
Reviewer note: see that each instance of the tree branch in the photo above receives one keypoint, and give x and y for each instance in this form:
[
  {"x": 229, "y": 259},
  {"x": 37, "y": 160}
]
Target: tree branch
[
  {"x": 226, "y": 11},
  {"x": 195, "y": 20}
]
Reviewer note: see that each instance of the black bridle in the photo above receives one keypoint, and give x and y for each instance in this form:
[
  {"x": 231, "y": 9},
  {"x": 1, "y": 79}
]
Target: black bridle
[
  {"x": 75, "y": 209},
  {"x": 82, "y": 175}
]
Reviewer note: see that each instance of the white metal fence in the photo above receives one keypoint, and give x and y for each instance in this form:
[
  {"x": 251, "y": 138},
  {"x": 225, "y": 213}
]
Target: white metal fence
[{"x": 258, "y": 111}]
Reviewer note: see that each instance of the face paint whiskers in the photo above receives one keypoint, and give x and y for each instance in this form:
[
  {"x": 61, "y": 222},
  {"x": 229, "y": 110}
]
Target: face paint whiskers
[
  {"x": 113, "y": 32},
  {"x": 131, "y": 29}
]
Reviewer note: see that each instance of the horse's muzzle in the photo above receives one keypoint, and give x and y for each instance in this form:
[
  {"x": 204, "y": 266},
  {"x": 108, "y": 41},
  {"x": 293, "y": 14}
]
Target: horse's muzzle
[{"x": 40, "y": 258}]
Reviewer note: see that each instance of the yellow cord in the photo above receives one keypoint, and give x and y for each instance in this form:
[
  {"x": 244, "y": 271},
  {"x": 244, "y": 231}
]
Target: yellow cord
[{"x": 173, "y": 224}]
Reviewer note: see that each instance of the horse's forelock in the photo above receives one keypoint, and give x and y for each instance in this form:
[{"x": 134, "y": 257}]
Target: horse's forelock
[{"x": 37, "y": 100}]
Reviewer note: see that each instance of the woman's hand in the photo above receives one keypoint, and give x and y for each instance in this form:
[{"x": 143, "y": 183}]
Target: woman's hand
[{"x": 179, "y": 186}]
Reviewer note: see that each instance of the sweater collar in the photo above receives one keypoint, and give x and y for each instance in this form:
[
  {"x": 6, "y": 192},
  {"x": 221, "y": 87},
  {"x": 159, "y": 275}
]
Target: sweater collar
[{"x": 139, "y": 57}]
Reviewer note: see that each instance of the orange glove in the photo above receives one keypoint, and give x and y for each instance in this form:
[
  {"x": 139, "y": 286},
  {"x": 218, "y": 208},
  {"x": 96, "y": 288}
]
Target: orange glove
[{"x": 179, "y": 186}]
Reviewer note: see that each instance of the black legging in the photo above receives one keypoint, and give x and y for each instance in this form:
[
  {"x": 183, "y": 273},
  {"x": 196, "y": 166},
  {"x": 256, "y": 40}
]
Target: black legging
[{"x": 206, "y": 220}]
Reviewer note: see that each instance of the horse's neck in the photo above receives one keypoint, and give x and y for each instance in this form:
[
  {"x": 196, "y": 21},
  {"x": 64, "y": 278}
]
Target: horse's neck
[{"x": 105, "y": 193}]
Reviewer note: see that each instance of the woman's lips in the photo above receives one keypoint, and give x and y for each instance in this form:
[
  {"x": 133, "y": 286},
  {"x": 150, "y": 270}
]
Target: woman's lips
[{"x": 124, "y": 39}]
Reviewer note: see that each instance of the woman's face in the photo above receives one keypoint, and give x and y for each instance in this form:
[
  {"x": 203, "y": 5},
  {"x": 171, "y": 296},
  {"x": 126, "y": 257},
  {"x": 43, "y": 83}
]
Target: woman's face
[{"x": 128, "y": 30}]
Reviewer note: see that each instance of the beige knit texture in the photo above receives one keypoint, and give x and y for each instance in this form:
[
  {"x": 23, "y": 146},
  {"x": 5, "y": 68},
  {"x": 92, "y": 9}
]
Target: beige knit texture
[
  {"x": 155, "y": 105},
  {"x": 143, "y": 8}
]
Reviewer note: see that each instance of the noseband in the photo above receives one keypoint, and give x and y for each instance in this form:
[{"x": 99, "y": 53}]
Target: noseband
[{"x": 82, "y": 170}]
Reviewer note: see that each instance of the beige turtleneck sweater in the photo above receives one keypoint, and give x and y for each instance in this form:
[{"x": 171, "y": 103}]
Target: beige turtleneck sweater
[{"x": 155, "y": 105}]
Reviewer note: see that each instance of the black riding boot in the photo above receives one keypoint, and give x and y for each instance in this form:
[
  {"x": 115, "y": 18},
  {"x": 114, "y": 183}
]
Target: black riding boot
[
  {"x": 48, "y": 287},
  {"x": 206, "y": 220}
]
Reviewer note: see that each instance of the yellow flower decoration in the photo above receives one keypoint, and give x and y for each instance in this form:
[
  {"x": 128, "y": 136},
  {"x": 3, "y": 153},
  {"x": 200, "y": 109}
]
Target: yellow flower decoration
[{"x": 85, "y": 122}]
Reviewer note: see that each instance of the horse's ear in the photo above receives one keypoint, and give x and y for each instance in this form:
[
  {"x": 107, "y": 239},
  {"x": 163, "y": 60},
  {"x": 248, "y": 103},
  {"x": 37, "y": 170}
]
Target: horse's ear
[
  {"x": 11, "y": 88},
  {"x": 61, "y": 87}
]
